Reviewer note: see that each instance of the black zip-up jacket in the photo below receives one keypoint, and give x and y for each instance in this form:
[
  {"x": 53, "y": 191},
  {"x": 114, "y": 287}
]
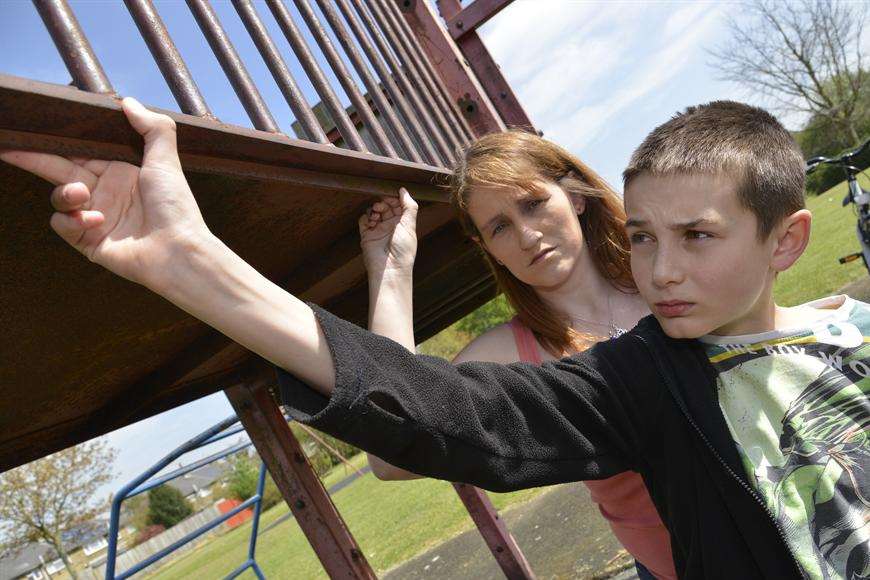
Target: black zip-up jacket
[{"x": 642, "y": 402}]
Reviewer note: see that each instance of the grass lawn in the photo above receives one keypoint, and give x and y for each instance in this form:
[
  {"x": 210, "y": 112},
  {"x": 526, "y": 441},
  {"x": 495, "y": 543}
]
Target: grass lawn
[
  {"x": 818, "y": 273},
  {"x": 392, "y": 522}
]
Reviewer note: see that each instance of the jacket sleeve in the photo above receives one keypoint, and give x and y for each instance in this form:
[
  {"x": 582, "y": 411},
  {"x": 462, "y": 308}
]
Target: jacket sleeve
[{"x": 499, "y": 427}]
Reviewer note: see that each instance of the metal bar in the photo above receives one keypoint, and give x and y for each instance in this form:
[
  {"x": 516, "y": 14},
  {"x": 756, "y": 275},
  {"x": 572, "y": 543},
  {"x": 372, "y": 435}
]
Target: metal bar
[
  {"x": 371, "y": 84},
  {"x": 433, "y": 82},
  {"x": 328, "y": 97},
  {"x": 415, "y": 84},
  {"x": 112, "y": 551},
  {"x": 280, "y": 72},
  {"x": 301, "y": 488},
  {"x": 363, "y": 110},
  {"x": 72, "y": 44},
  {"x": 461, "y": 23},
  {"x": 459, "y": 80},
  {"x": 261, "y": 488},
  {"x": 233, "y": 67},
  {"x": 194, "y": 534},
  {"x": 430, "y": 138},
  {"x": 389, "y": 84},
  {"x": 168, "y": 58},
  {"x": 466, "y": 20},
  {"x": 496, "y": 535}
]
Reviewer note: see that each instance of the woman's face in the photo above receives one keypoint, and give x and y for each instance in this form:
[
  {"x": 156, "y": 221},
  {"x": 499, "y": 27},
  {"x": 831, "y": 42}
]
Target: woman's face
[{"x": 537, "y": 235}]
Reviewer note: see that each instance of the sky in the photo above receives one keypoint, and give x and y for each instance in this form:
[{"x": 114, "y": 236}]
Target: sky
[{"x": 595, "y": 77}]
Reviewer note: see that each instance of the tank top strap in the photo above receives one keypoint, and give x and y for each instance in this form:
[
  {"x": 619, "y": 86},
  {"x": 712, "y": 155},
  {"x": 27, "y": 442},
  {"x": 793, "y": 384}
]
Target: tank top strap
[{"x": 527, "y": 345}]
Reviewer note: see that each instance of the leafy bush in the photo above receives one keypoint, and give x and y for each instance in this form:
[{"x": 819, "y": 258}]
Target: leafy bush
[{"x": 167, "y": 507}]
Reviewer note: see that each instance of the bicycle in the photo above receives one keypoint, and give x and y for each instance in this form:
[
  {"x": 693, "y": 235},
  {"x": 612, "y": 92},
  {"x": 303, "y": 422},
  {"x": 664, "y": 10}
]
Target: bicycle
[{"x": 855, "y": 195}]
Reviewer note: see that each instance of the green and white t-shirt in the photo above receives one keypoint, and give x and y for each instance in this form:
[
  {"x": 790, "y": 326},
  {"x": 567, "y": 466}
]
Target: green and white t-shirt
[{"x": 796, "y": 402}]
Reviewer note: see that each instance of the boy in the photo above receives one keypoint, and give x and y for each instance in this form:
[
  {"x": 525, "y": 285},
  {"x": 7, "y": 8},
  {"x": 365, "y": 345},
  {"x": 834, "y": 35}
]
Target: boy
[{"x": 755, "y": 455}]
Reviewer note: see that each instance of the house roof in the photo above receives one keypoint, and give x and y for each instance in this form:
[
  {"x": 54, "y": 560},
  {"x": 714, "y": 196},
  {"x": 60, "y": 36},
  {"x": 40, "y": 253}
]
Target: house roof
[{"x": 200, "y": 478}]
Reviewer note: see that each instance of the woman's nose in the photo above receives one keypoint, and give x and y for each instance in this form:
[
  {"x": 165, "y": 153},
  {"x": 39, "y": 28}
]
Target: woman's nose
[{"x": 529, "y": 237}]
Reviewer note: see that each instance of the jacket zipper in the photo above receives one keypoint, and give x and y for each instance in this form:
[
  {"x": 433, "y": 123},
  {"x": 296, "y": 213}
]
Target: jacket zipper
[{"x": 681, "y": 404}]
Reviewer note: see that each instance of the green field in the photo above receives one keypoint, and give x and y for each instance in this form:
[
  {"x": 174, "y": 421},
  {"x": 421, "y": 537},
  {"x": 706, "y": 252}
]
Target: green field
[
  {"x": 817, "y": 273},
  {"x": 391, "y": 521}
]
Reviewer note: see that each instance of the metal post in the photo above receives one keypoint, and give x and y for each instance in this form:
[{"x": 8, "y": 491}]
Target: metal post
[
  {"x": 168, "y": 58},
  {"x": 72, "y": 44},
  {"x": 233, "y": 67},
  {"x": 462, "y": 25},
  {"x": 306, "y": 58},
  {"x": 280, "y": 72},
  {"x": 460, "y": 81},
  {"x": 302, "y": 489}
]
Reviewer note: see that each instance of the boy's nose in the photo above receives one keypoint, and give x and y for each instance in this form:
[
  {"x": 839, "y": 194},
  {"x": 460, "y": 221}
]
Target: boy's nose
[{"x": 666, "y": 270}]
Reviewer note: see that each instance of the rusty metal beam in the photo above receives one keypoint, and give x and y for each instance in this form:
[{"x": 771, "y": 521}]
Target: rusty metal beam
[
  {"x": 303, "y": 491},
  {"x": 462, "y": 24},
  {"x": 444, "y": 55},
  {"x": 461, "y": 21}
]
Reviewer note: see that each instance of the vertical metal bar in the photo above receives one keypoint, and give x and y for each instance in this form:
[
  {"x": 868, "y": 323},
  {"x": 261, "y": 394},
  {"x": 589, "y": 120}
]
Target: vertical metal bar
[
  {"x": 284, "y": 79},
  {"x": 233, "y": 67},
  {"x": 73, "y": 46},
  {"x": 441, "y": 134},
  {"x": 387, "y": 79},
  {"x": 432, "y": 135},
  {"x": 420, "y": 60},
  {"x": 452, "y": 69},
  {"x": 374, "y": 89},
  {"x": 315, "y": 74},
  {"x": 168, "y": 59},
  {"x": 258, "y": 509},
  {"x": 344, "y": 78},
  {"x": 299, "y": 485},
  {"x": 495, "y": 533}
]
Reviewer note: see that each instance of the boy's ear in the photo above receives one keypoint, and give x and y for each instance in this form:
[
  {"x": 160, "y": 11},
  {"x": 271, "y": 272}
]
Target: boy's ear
[{"x": 793, "y": 235}]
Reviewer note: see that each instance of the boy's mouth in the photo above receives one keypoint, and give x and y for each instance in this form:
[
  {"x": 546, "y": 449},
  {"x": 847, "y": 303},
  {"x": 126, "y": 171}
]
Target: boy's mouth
[{"x": 673, "y": 308}]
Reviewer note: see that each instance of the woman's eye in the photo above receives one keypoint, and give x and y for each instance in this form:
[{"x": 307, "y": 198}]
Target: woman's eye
[
  {"x": 498, "y": 229},
  {"x": 532, "y": 204},
  {"x": 638, "y": 238}
]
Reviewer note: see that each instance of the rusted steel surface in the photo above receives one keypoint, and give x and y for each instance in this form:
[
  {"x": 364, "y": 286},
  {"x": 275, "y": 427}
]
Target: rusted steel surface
[
  {"x": 168, "y": 58},
  {"x": 462, "y": 21},
  {"x": 280, "y": 72},
  {"x": 434, "y": 136},
  {"x": 458, "y": 127},
  {"x": 74, "y": 48},
  {"x": 449, "y": 62},
  {"x": 300, "y": 486},
  {"x": 496, "y": 535},
  {"x": 288, "y": 207},
  {"x": 315, "y": 74},
  {"x": 344, "y": 78},
  {"x": 399, "y": 43},
  {"x": 374, "y": 90},
  {"x": 479, "y": 59},
  {"x": 233, "y": 67}
]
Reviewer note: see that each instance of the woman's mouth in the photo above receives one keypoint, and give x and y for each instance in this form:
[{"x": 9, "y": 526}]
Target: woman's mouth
[
  {"x": 673, "y": 308},
  {"x": 541, "y": 255}
]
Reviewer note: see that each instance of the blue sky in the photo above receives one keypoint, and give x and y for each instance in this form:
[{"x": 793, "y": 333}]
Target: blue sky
[{"x": 596, "y": 77}]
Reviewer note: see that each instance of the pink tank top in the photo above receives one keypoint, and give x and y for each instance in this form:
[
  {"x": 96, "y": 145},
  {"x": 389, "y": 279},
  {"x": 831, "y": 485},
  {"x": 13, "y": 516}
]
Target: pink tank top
[{"x": 622, "y": 499}]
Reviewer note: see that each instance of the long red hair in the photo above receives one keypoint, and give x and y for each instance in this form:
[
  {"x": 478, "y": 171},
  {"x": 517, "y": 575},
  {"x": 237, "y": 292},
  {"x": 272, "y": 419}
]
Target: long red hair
[{"x": 521, "y": 159}]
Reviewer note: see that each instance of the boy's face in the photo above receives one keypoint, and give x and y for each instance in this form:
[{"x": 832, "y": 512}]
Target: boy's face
[{"x": 696, "y": 256}]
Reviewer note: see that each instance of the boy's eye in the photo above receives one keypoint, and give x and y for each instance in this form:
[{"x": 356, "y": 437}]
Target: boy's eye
[
  {"x": 498, "y": 228},
  {"x": 696, "y": 235}
]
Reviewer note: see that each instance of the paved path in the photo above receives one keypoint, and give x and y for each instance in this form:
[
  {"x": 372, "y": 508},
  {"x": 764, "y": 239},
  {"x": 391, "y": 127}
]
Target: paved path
[{"x": 561, "y": 533}]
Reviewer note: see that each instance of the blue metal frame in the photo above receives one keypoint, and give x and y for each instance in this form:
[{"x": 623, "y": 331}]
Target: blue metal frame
[{"x": 144, "y": 482}]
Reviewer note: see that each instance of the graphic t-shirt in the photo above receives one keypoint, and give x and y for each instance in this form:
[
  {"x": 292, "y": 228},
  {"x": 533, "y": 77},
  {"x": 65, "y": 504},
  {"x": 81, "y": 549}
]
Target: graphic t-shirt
[{"x": 796, "y": 403}]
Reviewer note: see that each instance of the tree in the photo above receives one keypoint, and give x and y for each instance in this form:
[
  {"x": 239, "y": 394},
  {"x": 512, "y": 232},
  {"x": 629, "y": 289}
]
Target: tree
[
  {"x": 53, "y": 496},
  {"x": 243, "y": 478},
  {"x": 805, "y": 55},
  {"x": 166, "y": 506}
]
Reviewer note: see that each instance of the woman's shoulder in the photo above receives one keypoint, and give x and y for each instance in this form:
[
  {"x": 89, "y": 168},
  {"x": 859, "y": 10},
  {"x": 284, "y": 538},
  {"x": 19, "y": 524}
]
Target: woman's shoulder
[{"x": 495, "y": 345}]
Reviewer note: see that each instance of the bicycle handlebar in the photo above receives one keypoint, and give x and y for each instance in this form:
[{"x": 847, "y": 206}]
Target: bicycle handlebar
[{"x": 843, "y": 159}]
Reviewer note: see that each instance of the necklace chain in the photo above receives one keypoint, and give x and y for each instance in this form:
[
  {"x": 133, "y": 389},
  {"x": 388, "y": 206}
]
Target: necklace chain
[{"x": 614, "y": 330}]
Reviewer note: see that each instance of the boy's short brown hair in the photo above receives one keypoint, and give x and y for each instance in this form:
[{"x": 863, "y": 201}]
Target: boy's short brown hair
[{"x": 726, "y": 137}]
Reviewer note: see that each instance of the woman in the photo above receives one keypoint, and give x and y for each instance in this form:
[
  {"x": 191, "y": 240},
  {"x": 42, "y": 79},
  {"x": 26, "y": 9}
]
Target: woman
[{"x": 552, "y": 232}]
